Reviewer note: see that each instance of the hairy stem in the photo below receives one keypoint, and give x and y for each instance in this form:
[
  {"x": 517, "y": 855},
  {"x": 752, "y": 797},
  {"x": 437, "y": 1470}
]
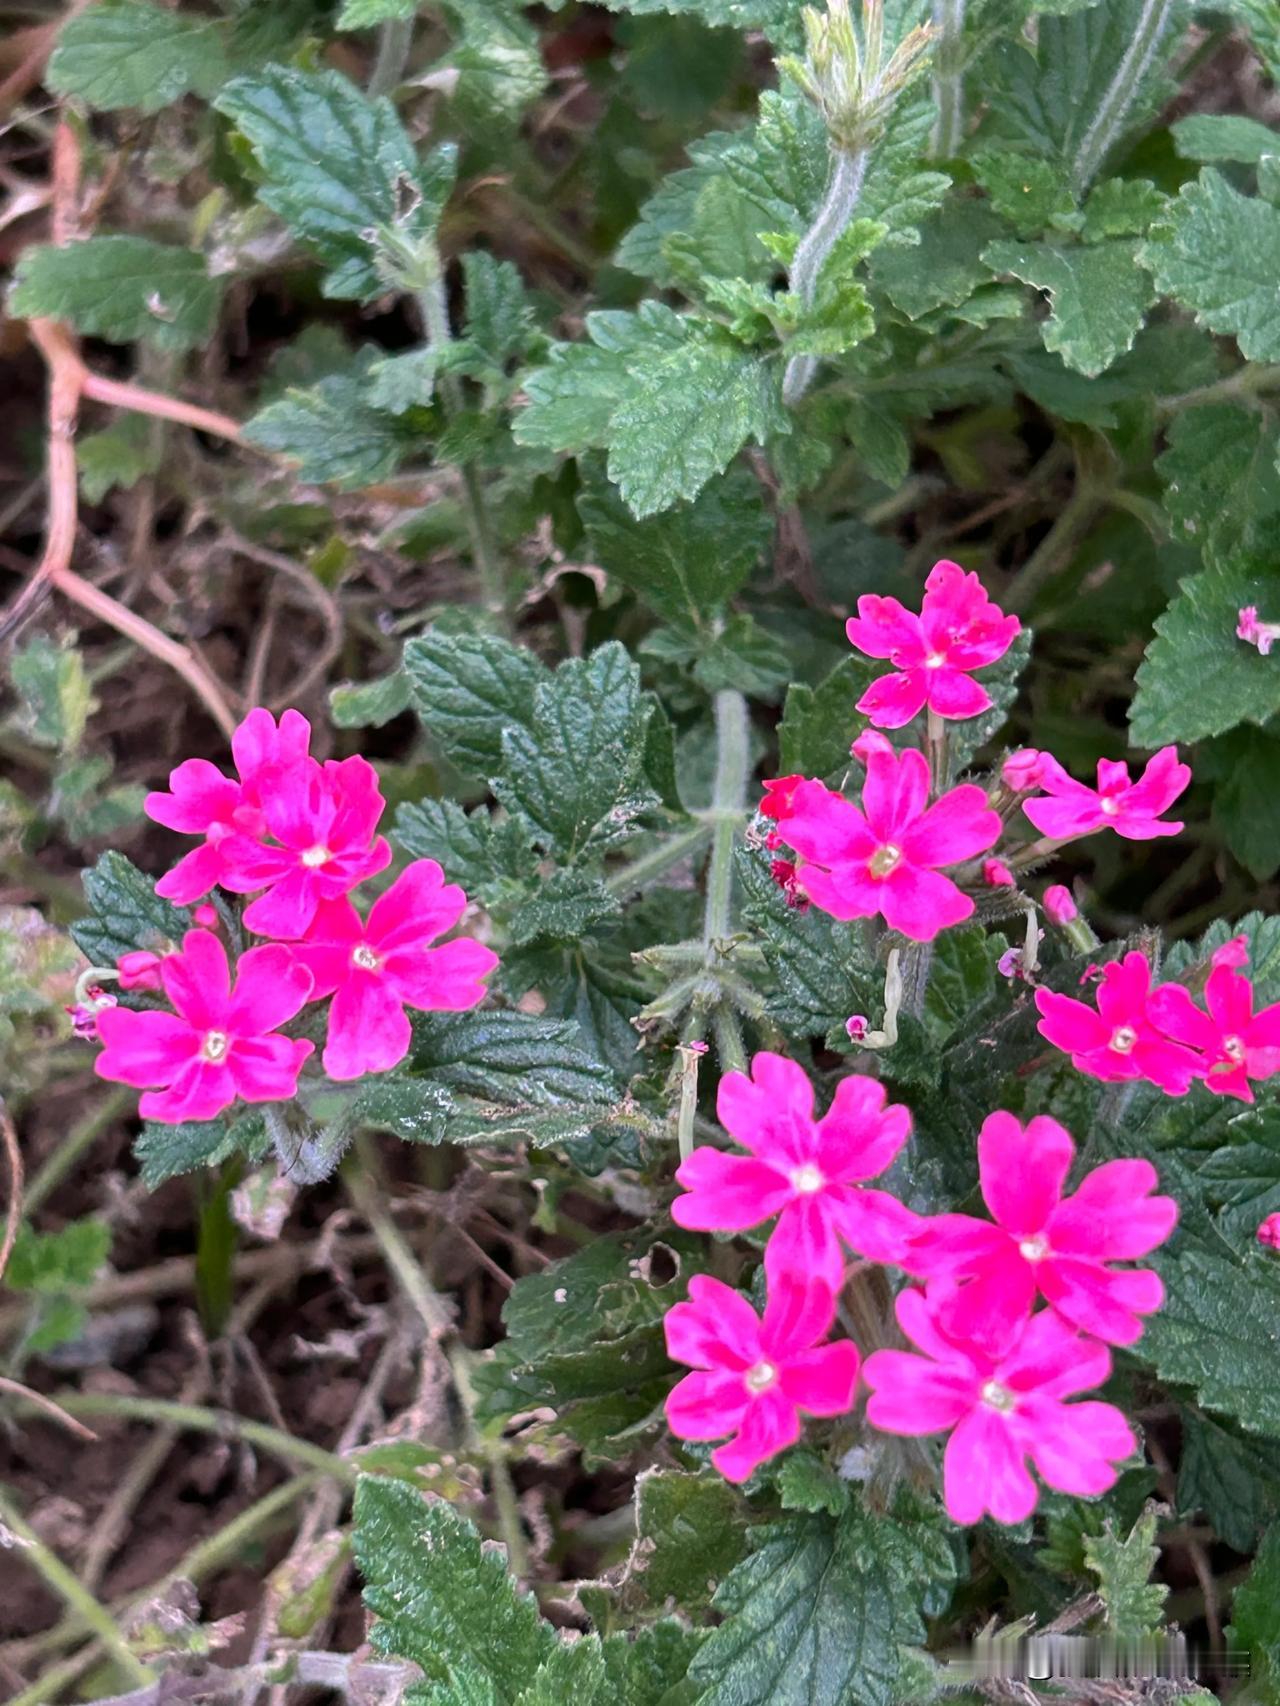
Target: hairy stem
[
  {"x": 1108, "y": 122},
  {"x": 843, "y": 190},
  {"x": 728, "y": 806},
  {"x": 630, "y": 879},
  {"x": 948, "y": 78},
  {"x": 395, "y": 37}
]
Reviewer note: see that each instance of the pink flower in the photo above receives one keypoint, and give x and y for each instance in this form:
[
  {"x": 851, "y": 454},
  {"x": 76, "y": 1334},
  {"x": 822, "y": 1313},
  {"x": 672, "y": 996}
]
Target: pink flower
[
  {"x": 1132, "y": 809},
  {"x": 221, "y": 1043},
  {"x": 997, "y": 875},
  {"x": 1236, "y": 1043},
  {"x": 783, "y": 872},
  {"x": 754, "y": 1377},
  {"x": 869, "y": 741},
  {"x": 139, "y": 969},
  {"x": 1255, "y": 633},
  {"x": 1040, "y": 1241},
  {"x": 1021, "y": 770},
  {"x": 202, "y": 801},
  {"x": 1119, "y": 1040},
  {"x": 856, "y": 1027},
  {"x": 856, "y": 865},
  {"x": 958, "y": 629},
  {"x": 206, "y": 916},
  {"x": 1060, "y": 908},
  {"x": 1234, "y": 953},
  {"x": 374, "y": 970},
  {"x": 808, "y": 1172},
  {"x": 1001, "y": 1407},
  {"x": 1269, "y": 1232},
  {"x": 323, "y": 819},
  {"x": 84, "y": 1015}
]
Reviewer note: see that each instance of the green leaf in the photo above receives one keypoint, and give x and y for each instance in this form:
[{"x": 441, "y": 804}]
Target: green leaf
[
  {"x": 1195, "y": 641},
  {"x": 1134, "y": 1603},
  {"x": 369, "y": 704},
  {"x": 51, "y": 1262},
  {"x": 816, "y": 1615},
  {"x": 1001, "y": 681},
  {"x": 331, "y": 431},
  {"x": 1219, "y": 255},
  {"x": 467, "y": 689},
  {"x": 945, "y": 268},
  {"x": 1121, "y": 207},
  {"x": 366, "y": 14},
  {"x": 125, "y": 912},
  {"x": 574, "y": 397},
  {"x": 491, "y": 858},
  {"x": 498, "y": 64},
  {"x": 1232, "y": 1479},
  {"x": 499, "y": 317},
  {"x": 165, "y": 1151},
  {"x": 119, "y": 455},
  {"x": 690, "y": 1530},
  {"x": 744, "y": 658},
  {"x": 56, "y": 698},
  {"x": 1098, "y": 296},
  {"x": 1222, "y": 485},
  {"x": 565, "y": 909},
  {"x": 1031, "y": 193},
  {"x": 120, "y": 288},
  {"x": 441, "y": 1598},
  {"x": 806, "y": 1483},
  {"x": 126, "y": 53},
  {"x": 575, "y": 773},
  {"x": 1246, "y": 798},
  {"x": 688, "y": 563},
  {"x": 338, "y": 169},
  {"x": 879, "y": 439},
  {"x": 1224, "y": 136},
  {"x": 1255, "y": 1613},
  {"x": 415, "y": 1109},
  {"x": 819, "y": 724},
  {"x": 510, "y": 1058}
]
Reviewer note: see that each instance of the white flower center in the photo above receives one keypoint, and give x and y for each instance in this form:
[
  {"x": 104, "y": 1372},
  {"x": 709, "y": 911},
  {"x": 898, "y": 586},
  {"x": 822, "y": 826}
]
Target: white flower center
[
  {"x": 214, "y": 1047},
  {"x": 761, "y": 1376},
  {"x": 885, "y": 859},
  {"x": 1124, "y": 1039},
  {"x": 1110, "y": 807},
  {"x": 364, "y": 957},
  {"x": 315, "y": 857},
  {"x": 1034, "y": 1249},
  {"x": 807, "y": 1179},
  {"x": 998, "y": 1397},
  {"x": 1233, "y": 1048},
  {"x": 935, "y": 660}
]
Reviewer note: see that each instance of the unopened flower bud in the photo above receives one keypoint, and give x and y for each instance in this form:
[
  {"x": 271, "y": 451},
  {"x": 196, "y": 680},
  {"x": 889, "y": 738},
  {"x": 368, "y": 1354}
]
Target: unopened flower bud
[
  {"x": 206, "y": 916},
  {"x": 1233, "y": 954},
  {"x": 1021, "y": 770},
  {"x": 1269, "y": 1232},
  {"x": 869, "y": 741},
  {"x": 779, "y": 795},
  {"x": 997, "y": 875},
  {"x": 139, "y": 970},
  {"x": 1059, "y": 907}
]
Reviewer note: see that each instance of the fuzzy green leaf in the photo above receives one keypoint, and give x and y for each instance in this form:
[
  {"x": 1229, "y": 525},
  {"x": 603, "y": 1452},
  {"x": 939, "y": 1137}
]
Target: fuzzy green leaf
[
  {"x": 1224, "y": 136},
  {"x": 1098, "y": 296},
  {"x": 120, "y": 288},
  {"x": 510, "y": 1058},
  {"x": 819, "y": 724},
  {"x": 1255, "y": 1614},
  {"x": 165, "y": 1151},
  {"x": 52, "y": 1262},
  {"x": 573, "y": 399},
  {"x": 1134, "y": 1603},
  {"x": 1232, "y": 1479},
  {"x": 945, "y": 268},
  {"x": 367, "y": 14},
  {"x": 125, "y": 912},
  {"x": 120, "y": 455},
  {"x": 467, "y": 689},
  {"x": 126, "y": 53},
  {"x": 331, "y": 432},
  {"x": 1222, "y": 485},
  {"x": 54, "y": 689},
  {"x": 564, "y": 909},
  {"x": 369, "y": 704},
  {"x": 691, "y": 1531},
  {"x": 1219, "y": 255}
]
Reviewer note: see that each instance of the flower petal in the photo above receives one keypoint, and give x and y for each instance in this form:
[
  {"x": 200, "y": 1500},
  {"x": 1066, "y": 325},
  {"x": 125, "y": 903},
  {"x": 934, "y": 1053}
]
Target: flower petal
[
  {"x": 198, "y": 980},
  {"x": 728, "y": 1193},
  {"x": 272, "y": 986},
  {"x": 447, "y": 979},
  {"x": 912, "y": 1395},
  {"x": 770, "y": 1425},
  {"x": 369, "y": 1030},
  {"x": 144, "y": 1048},
  {"x": 798, "y": 1314},
  {"x": 892, "y": 701},
  {"x": 1023, "y": 1172},
  {"x": 858, "y": 1136},
  {"x": 822, "y": 1381},
  {"x": 265, "y": 1069},
  {"x": 984, "y": 1469},
  {"x": 707, "y": 1405},
  {"x": 199, "y": 1092},
  {"x": 805, "y": 1243},
  {"x": 921, "y": 903},
  {"x": 418, "y": 906},
  {"x": 716, "y": 1328}
]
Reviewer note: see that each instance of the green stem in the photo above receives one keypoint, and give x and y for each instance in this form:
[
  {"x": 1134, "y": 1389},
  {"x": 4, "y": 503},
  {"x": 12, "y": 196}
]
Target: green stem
[
  {"x": 832, "y": 218},
  {"x": 60, "y": 1580},
  {"x": 728, "y": 803},
  {"x": 948, "y": 78},
  {"x": 658, "y": 861},
  {"x": 1043, "y": 563},
  {"x": 199, "y": 1419},
  {"x": 1108, "y": 122},
  {"x": 395, "y": 38},
  {"x": 1247, "y": 381}
]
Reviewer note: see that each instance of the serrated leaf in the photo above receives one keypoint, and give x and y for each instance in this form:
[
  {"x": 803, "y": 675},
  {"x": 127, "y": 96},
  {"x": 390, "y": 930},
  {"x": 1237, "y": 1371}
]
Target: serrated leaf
[
  {"x": 743, "y": 658},
  {"x": 336, "y": 166},
  {"x": 369, "y": 704},
  {"x": 126, "y": 53},
  {"x": 1222, "y": 485},
  {"x": 332, "y": 432},
  {"x": 165, "y": 1151},
  {"x": 119, "y": 455},
  {"x": 1246, "y": 798},
  {"x": 125, "y": 912},
  {"x": 565, "y": 909},
  {"x": 1224, "y": 136},
  {"x": 1231, "y": 1479},
  {"x": 1121, "y": 207},
  {"x": 47, "y": 1263},
  {"x": 1134, "y": 1603},
  {"x": 819, "y": 724},
  {"x": 499, "y": 314},
  {"x": 1255, "y": 1613},
  {"x": 510, "y": 1058},
  {"x": 498, "y": 64},
  {"x": 1218, "y": 253},
  {"x": 491, "y": 857},
  {"x": 365, "y": 14},
  {"x": 687, "y": 563},
  {"x": 1031, "y": 193},
  {"x": 56, "y": 698},
  {"x": 1195, "y": 641},
  {"x": 1098, "y": 296},
  {"x": 573, "y": 399},
  {"x": 815, "y": 1616},
  {"x": 120, "y": 288},
  {"x": 691, "y": 1530},
  {"x": 441, "y": 1597},
  {"x": 467, "y": 689},
  {"x": 806, "y": 1483},
  {"x": 415, "y": 1109},
  {"x": 945, "y": 268},
  {"x": 575, "y": 771}
]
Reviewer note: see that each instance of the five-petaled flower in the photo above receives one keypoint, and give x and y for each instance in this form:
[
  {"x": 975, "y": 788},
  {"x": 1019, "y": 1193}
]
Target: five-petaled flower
[
  {"x": 808, "y": 1172},
  {"x": 958, "y": 630},
  {"x": 377, "y": 968},
  {"x": 1235, "y": 1043},
  {"x": 1118, "y": 1040},
  {"x": 1068, "y": 808},
  {"x": 988, "y": 1272},
  {"x": 221, "y": 1042},
  {"x": 884, "y": 858},
  {"x": 1002, "y": 1406},
  {"x": 753, "y": 1377}
]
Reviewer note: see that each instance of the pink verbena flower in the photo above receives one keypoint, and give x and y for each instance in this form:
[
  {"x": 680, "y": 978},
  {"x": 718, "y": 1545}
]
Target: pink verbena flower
[
  {"x": 84, "y": 1015},
  {"x": 1069, "y": 808},
  {"x": 1119, "y": 1040},
  {"x": 753, "y": 1378},
  {"x": 202, "y": 801},
  {"x": 885, "y": 861},
  {"x": 322, "y": 819},
  {"x": 1001, "y": 1408},
  {"x": 220, "y": 1043},
  {"x": 1059, "y": 905},
  {"x": 958, "y": 629},
  {"x": 1269, "y": 1232},
  {"x": 1234, "y": 953},
  {"x": 1040, "y": 1241},
  {"x": 808, "y": 1172},
  {"x": 375, "y": 969},
  {"x": 1235, "y": 1043}
]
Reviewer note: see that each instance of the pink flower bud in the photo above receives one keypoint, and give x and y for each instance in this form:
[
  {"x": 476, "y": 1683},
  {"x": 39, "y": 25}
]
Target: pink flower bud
[
  {"x": 869, "y": 741},
  {"x": 139, "y": 970},
  {"x": 1059, "y": 907},
  {"x": 997, "y": 875},
  {"x": 1092, "y": 973},
  {"x": 1269, "y": 1232},
  {"x": 1010, "y": 962},
  {"x": 779, "y": 794},
  {"x": 784, "y": 873},
  {"x": 1232, "y": 954},
  {"x": 1021, "y": 770},
  {"x": 206, "y": 916},
  {"x": 856, "y": 1025},
  {"x": 84, "y": 1015}
]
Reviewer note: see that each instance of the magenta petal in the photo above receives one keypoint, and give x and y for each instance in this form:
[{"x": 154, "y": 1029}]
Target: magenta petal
[
  {"x": 716, "y": 1328},
  {"x": 144, "y": 1049},
  {"x": 447, "y": 979},
  {"x": 825, "y": 827},
  {"x": 1063, "y": 819},
  {"x": 200, "y": 797},
  {"x": 770, "y": 1425},
  {"x": 846, "y": 893},
  {"x": 727, "y": 1193},
  {"x": 874, "y": 1223},
  {"x": 858, "y": 1136},
  {"x": 822, "y": 1381},
  {"x": 895, "y": 792},
  {"x": 198, "y": 980},
  {"x": 799, "y": 1312},
  {"x": 1069, "y": 1024},
  {"x": 200, "y": 1092},
  {"x": 805, "y": 1243},
  {"x": 285, "y": 910},
  {"x": 707, "y": 1405},
  {"x": 1075, "y": 1445},
  {"x": 271, "y": 988},
  {"x": 417, "y": 907},
  {"x": 193, "y": 876},
  {"x": 1053, "y": 1359},
  {"x": 1112, "y": 1217},
  {"x": 1160, "y": 784},
  {"x": 266, "y": 1069},
  {"x": 955, "y": 695},
  {"x": 369, "y": 1030},
  {"x": 955, "y": 828},
  {"x": 1101, "y": 1302},
  {"x": 892, "y": 701},
  {"x": 914, "y": 1396},
  {"x": 984, "y": 1470},
  {"x": 884, "y": 627},
  {"x": 776, "y": 1097},
  {"x": 1023, "y": 1172},
  {"x": 921, "y": 903}
]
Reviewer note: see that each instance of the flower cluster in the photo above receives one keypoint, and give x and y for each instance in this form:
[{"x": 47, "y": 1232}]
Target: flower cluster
[
  {"x": 300, "y": 835},
  {"x": 1161, "y": 1035},
  {"x": 994, "y": 1370}
]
